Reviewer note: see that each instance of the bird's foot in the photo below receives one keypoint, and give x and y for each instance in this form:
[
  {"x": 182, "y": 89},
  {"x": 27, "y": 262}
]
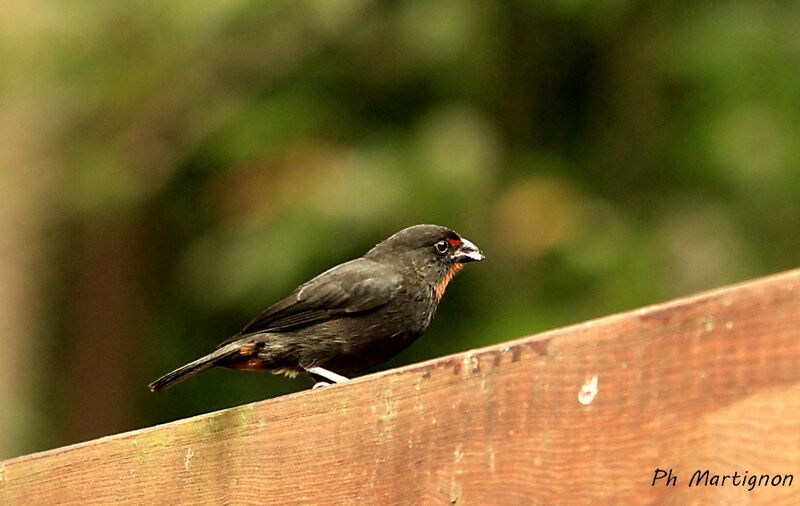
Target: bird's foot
[
  {"x": 328, "y": 375},
  {"x": 320, "y": 384}
]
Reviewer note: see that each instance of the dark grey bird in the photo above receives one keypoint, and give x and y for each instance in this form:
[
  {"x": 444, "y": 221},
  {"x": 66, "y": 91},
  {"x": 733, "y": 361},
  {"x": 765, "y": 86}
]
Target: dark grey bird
[{"x": 351, "y": 317}]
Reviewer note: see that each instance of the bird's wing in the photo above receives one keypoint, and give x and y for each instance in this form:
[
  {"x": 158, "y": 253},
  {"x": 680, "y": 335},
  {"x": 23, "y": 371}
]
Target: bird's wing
[{"x": 352, "y": 287}]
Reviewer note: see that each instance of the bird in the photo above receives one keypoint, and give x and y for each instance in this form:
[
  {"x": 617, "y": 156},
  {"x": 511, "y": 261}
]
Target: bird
[{"x": 351, "y": 317}]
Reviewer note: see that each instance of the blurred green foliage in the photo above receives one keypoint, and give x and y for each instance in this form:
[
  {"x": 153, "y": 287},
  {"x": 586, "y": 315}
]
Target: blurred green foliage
[{"x": 604, "y": 155}]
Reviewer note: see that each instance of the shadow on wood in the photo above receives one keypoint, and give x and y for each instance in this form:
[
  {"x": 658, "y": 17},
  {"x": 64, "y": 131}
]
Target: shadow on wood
[{"x": 584, "y": 413}]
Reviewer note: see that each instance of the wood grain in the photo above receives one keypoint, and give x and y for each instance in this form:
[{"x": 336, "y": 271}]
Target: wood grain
[{"x": 706, "y": 382}]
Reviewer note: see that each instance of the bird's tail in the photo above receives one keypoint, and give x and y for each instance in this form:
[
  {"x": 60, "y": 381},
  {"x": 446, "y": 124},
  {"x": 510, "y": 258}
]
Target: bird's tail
[{"x": 192, "y": 368}]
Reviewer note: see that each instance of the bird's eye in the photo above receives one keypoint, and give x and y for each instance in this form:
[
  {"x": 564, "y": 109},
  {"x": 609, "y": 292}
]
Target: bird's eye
[{"x": 441, "y": 247}]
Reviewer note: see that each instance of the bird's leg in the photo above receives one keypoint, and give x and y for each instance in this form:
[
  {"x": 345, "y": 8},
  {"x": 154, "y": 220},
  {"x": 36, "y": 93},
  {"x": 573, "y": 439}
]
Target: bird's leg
[{"x": 328, "y": 375}]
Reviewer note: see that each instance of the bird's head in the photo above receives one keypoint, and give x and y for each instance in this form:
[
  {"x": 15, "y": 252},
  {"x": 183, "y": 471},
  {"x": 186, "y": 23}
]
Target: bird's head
[{"x": 433, "y": 251}]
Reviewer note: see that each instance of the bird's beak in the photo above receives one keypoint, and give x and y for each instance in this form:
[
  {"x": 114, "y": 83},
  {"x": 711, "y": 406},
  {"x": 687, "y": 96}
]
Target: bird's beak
[{"x": 467, "y": 252}]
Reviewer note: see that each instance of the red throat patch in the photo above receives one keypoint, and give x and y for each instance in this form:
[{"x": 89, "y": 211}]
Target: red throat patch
[{"x": 440, "y": 288}]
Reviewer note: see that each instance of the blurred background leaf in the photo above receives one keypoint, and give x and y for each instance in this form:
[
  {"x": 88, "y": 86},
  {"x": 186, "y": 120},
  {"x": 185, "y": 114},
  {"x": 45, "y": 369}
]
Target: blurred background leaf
[{"x": 170, "y": 169}]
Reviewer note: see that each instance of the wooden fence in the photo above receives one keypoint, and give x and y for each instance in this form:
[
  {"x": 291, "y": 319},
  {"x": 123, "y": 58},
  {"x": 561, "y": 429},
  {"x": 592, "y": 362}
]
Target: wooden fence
[{"x": 588, "y": 413}]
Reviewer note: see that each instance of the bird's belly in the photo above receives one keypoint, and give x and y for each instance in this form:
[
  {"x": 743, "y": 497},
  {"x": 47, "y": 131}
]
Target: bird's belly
[
  {"x": 346, "y": 345},
  {"x": 351, "y": 359},
  {"x": 360, "y": 342}
]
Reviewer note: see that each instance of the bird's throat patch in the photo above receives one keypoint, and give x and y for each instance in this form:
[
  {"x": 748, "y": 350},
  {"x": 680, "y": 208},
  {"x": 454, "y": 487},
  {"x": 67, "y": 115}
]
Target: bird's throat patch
[{"x": 442, "y": 286}]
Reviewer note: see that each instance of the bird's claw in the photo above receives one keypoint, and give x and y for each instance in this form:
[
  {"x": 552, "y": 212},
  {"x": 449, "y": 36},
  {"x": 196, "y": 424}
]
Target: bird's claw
[{"x": 320, "y": 384}]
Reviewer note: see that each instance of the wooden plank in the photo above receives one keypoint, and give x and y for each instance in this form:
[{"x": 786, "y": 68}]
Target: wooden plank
[{"x": 707, "y": 382}]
